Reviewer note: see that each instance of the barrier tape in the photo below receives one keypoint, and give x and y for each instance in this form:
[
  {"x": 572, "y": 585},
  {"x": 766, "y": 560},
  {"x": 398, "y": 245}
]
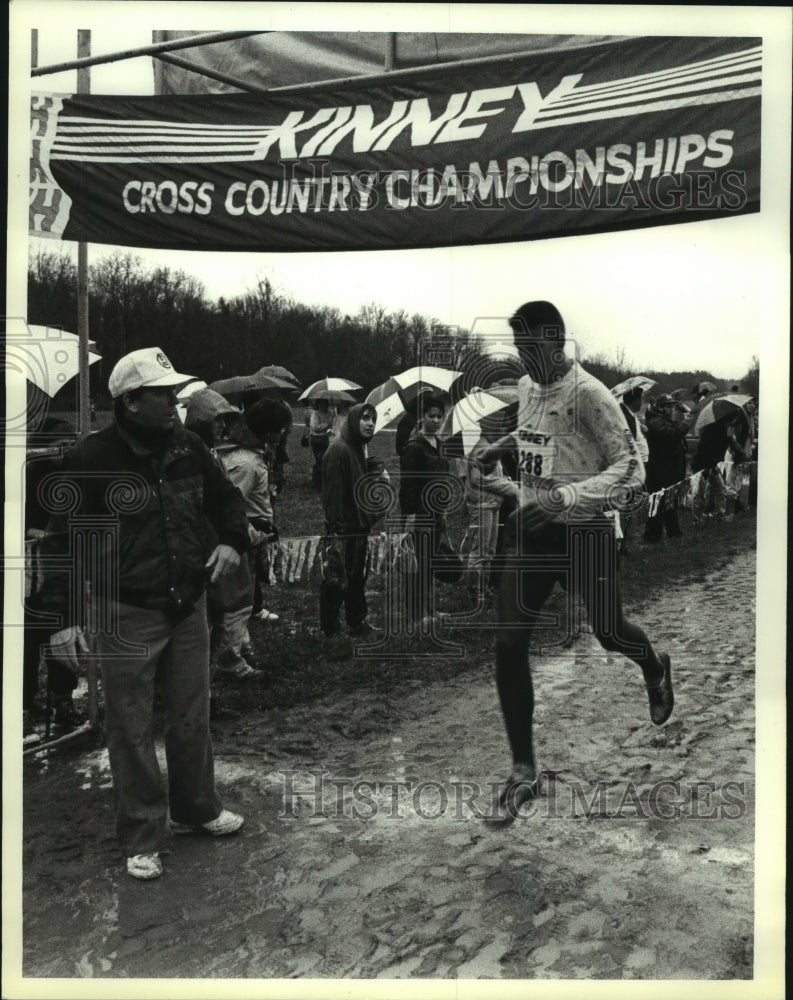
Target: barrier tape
[{"x": 295, "y": 560}]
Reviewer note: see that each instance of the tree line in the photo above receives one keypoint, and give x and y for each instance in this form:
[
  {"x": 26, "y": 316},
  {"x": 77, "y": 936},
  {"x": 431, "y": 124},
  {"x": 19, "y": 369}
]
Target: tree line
[{"x": 132, "y": 306}]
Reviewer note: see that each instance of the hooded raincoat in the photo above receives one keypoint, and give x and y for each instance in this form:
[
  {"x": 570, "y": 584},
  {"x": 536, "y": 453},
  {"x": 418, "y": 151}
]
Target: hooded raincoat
[{"x": 346, "y": 518}]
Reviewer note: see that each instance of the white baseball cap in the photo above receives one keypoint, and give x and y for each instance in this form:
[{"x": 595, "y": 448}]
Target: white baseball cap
[{"x": 147, "y": 367}]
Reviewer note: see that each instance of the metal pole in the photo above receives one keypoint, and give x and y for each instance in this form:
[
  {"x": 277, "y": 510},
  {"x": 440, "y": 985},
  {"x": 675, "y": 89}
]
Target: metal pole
[
  {"x": 84, "y": 87},
  {"x": 390, "y": 51},
  {"x": 34, "y": 47},
  {"x": 147, "y": 50}
]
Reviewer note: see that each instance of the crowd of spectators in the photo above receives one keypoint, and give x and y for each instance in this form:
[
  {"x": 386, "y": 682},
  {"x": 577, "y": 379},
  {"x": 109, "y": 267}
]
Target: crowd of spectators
[{"x": 191, "y": 552}]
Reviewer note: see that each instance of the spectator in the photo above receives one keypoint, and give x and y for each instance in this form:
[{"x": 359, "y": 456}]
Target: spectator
[
  {"x": 740, "y": 441},
  {"x": 341, "y": 409},
  {"x": 424, "y": 475},
  {"x": 224, "y": 428},
  {"x": 266, "y": 420},
  {"x": 407, "y": 422},
  {"x": 57, "y": 437},
  {"x": 280, "y": 454},
  {"x": 486, "y": 490},
  {"x": 348, "y": 521},
  {"x": 320, "y": 428},
  {"x": 710, "y": 496},
  {"x": 630, "y": 405},
  {"x": 168, "y": 500},
  {"x": 666, "y": 438},
  {"x": 576, "y": 462}
]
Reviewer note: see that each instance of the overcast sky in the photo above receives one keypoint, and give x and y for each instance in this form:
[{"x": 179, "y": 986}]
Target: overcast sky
[{"x": 700, "y": 295}]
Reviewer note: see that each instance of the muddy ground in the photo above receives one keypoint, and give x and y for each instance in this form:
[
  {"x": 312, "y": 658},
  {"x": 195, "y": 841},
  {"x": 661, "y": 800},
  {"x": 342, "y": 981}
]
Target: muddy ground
[{"x": 399, "y": 876}]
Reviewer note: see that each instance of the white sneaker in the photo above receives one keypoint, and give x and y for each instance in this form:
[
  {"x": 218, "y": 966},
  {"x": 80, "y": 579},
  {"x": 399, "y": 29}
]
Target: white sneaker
[
  {"x": 144, "y": 866},
  {"x": 226, "y": 822},
  {"x": 267, "y": 616}
]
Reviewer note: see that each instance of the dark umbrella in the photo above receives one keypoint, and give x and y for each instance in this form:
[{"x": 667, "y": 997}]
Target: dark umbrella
[
  {"x": 237, "y": 385},
  {"x": 279, "y": 372}
]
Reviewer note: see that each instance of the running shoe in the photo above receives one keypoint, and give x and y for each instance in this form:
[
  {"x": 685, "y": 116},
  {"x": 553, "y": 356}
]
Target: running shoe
[{"x": 661, "y": 695}]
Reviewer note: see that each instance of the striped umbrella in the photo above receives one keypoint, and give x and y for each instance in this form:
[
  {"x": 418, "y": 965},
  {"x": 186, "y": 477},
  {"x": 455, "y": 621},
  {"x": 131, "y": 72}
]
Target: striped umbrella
[
  {"x": 634, "y": 382},
  {"x": 320, "y": 388},
  {"x": 720, "y": 408},
  {"x": 390, "y": 398},
  {"x": 462, "y": 427}
]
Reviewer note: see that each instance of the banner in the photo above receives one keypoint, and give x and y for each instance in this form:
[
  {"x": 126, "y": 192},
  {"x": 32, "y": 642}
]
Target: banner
[{"x": 614, "y": 135}]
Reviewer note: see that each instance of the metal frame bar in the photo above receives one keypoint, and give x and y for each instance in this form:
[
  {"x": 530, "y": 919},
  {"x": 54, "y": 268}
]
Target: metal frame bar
[
  {"x": 213, "y": 74},
  {"x": 160, "y": 49},
  {"x": 146, "y": 50},
  {"x": 401, "y": 74}
]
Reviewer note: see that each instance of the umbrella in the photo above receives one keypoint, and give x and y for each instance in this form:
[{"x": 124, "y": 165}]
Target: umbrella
[
  {"x": 720, "y": 408},
  {"x": 48, "y": 357},
  {"x": 239, "y": 384},
  {"x": 389, "y": 399},
  {"x": 462, "y": 427},
  {"x": 184, "y": 393},
  {"x": 705, "y": 387},
  {"x": 278, "y": 371},
  {"x": 332, "y": 396},
  {"x": 187, "y": 390},
  {"x": 634, "y": 382},
  {"x": 318, "y": 389}
]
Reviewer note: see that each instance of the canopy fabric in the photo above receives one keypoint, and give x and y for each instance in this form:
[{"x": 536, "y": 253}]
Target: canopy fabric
[
  {"x": 589, "y": 136},
  {"x": 292, "y": 58}
]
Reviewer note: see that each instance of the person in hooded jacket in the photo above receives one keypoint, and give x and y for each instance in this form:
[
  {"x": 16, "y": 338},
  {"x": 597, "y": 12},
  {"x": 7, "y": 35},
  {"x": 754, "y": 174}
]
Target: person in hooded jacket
[
  {"x": 348, "y": 522},
  {"x": 666, "y": 438},
  {"x": 225, "y": 429}
]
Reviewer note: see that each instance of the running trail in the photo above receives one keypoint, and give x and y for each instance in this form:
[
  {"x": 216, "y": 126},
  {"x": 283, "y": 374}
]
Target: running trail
[{"x": 364, "y": 854}]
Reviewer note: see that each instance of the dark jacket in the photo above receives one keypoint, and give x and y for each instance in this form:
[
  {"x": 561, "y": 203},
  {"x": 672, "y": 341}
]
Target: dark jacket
[
  {"x": 343, "y": 466},
  {"x": 404, "y": 429},
  {"x": 666, "y": 440},
  {"x": 420, "y": 466},
  {"x": 156, "y": 520},
  {"x": 711, "y": 446}
]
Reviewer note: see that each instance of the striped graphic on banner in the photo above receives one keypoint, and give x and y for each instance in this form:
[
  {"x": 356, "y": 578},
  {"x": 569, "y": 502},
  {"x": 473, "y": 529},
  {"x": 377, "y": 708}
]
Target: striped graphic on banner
[{"x": 107, "y": 140}]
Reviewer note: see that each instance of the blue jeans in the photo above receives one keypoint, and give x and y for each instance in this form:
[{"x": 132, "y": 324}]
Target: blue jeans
[{"x": 148, "y": 646}]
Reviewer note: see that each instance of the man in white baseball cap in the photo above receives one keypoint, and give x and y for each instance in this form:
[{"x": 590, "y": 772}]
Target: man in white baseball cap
[
  {"x": 148, "y": 367},
  {"x": 163, "y": 520}
]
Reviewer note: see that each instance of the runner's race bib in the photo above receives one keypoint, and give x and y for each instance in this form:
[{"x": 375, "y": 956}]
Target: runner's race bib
[{"x": 536, "y": 454}]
